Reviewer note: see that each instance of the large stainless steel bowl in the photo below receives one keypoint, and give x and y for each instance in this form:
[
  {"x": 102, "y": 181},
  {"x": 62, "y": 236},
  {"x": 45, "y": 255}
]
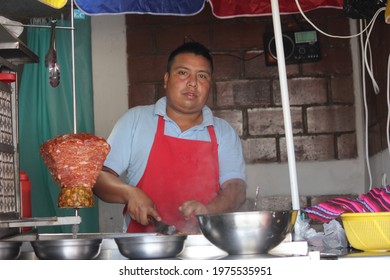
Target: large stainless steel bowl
[
  {"x": 253, "y": 232},
  {"x": 67, "y": 248},
  {"x": 10, "y": 250},
  {"x": 150, "y": 246}
]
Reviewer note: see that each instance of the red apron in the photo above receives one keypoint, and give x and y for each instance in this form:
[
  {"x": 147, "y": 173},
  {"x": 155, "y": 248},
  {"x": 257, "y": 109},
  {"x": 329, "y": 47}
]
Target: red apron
[{"x": 179, "y": 170}]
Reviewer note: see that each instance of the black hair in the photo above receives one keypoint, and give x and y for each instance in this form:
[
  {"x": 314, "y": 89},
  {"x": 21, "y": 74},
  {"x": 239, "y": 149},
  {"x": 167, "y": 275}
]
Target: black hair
[{"x": 191, "y": 47}]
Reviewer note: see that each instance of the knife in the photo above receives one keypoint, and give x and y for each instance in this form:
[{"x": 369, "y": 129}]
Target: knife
[{"x": 162, "y": 227}]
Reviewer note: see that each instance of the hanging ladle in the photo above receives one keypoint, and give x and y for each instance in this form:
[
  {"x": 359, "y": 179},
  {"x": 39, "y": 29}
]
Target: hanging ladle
[{"x": 51, "y": 58}]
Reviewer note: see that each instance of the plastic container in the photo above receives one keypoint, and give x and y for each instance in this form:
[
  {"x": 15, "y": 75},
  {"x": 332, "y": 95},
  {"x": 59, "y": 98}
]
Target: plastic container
[
  {"x": 25, "y": 198},
  {"x": 57, "y": 4},
  {"x": 368, "y": 231},
  {"x": 7, "y": 78}
]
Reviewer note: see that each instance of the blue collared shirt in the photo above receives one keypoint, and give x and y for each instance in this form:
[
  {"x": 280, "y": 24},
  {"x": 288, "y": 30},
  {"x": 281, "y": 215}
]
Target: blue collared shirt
[{"x": 132, "y": 137}]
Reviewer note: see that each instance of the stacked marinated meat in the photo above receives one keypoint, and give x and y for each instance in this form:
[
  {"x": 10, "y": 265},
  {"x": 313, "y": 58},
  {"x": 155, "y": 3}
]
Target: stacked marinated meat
[{"x": 74, "y": 161}]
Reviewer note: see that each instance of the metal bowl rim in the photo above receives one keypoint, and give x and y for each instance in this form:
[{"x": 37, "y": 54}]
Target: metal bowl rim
[
  {"x": 10, "y": 244},
  {"x": 66, "y": 242},
  {"x": 248, "y": 213},
  {"x": 151, "y": 238}
]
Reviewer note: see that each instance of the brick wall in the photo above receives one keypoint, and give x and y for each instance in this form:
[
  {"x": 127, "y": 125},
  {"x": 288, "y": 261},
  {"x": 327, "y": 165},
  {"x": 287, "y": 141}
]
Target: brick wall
[
  {"x": 377, "y": 103},
  {"x": 246, "y": 92}
]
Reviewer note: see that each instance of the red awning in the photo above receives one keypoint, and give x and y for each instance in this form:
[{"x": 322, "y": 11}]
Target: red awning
[{"x": 237, "y": 8}]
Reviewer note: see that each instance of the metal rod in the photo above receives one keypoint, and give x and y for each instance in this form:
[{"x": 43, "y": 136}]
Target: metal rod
[
  {"x": 44, "y": 221},
  {"x": 285, "y": 104},
  {"x": 75, "y": 227},
  {"x": 73, "y": 70},
  {"x": 37, "y": 26}
]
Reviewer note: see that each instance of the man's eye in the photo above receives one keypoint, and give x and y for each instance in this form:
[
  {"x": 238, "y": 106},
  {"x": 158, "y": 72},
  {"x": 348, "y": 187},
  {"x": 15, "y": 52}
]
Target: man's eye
[
  {"x": 203, "y": 76},
  {"x": 181, "y": 72}
]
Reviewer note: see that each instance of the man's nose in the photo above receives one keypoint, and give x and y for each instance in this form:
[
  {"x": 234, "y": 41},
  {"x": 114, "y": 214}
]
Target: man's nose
[{"x": 192, "y": 81}]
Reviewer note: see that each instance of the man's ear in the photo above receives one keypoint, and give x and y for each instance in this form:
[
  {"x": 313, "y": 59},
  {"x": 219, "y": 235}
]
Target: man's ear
[{"x": 166, "y": 77}]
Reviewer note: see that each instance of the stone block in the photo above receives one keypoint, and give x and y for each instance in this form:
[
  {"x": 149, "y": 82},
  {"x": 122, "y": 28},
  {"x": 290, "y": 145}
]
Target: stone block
[
  {"x": 314, "y": 200},
  {"x": 325, "y": 119},
  {"x": 303, "y": 91},
  {"x": 259, "y": 150},
  {"x": 270, "y": 121},
  {"x": 319, "y": 147},
  {"x": 243, "y": 93}
]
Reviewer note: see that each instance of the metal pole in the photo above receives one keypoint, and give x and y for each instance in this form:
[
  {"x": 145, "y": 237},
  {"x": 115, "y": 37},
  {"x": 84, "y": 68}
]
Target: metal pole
[
  {"x": 73, "y": 71},
  {"x": 285, "y": 103},
  {"x": 35, "y": 26}
]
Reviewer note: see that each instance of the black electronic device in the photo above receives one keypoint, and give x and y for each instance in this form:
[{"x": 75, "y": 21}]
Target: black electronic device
[{"x": 299, "y": 47}]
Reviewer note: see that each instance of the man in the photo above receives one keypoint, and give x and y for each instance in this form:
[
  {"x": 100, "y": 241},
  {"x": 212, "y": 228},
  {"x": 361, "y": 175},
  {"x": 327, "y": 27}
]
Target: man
[{"x": 178, "y": 160}]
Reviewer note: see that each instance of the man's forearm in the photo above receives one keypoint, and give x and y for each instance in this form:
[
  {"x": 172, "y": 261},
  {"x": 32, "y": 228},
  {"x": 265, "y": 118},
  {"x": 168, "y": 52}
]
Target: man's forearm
[
  {"x": 110, "y": 188},
  {"x": 231, "y": 197}
]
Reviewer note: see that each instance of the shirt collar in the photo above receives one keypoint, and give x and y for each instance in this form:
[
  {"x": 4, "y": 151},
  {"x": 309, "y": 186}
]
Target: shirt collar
[{"x": 160, "y": 108}]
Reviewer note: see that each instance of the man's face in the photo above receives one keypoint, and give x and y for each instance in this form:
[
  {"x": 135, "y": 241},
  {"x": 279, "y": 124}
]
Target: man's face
[{"x": 188, "y": 83}]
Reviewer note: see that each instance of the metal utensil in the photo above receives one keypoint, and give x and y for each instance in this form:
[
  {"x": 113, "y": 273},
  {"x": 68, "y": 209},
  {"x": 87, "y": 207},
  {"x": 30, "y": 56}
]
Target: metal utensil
[
  {"x": 162, "y": 227},
  {"x": 51, "y": 58}
]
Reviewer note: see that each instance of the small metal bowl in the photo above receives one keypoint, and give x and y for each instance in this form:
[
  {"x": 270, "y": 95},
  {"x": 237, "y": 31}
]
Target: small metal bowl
[
  {"x": 67, "y": 249},
  {"x": 252, "y": 232},
  {"x": 150, "y": 246},
  {"x": 10, "y": 250}
]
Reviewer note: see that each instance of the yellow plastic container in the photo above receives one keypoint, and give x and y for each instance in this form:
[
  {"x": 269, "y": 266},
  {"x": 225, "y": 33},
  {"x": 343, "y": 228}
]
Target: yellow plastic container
[
  {"x": 57, "y": 4},
  {"x": 368, "y": 231}
]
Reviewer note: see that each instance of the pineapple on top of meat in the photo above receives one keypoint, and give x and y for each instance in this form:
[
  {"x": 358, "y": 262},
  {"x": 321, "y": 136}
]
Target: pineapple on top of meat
[
  {"x": 75, "y": 197},
  {"x": 74, "y": 161}
]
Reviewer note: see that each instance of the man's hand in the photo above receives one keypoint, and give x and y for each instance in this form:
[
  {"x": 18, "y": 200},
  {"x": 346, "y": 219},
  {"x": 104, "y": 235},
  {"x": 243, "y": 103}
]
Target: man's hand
[
  {"x": 140, "y": 207},
  {"x": 110, "y": 188},
  {"x": 190, "y": 208},
  {"x": 231, "y": 197}
]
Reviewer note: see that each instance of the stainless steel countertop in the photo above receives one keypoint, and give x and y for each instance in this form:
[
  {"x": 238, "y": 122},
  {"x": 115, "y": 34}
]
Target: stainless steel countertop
[
  {"x": 196, "y": 247},
  {"x": 110, "y": 251}
]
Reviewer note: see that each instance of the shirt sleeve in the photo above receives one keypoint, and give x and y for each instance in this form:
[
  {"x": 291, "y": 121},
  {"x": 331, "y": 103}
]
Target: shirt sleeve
[
  {"x": 131, "y": 140},
  {"x": 230, "y": 155},
  {"x": 120, "y": 141}
]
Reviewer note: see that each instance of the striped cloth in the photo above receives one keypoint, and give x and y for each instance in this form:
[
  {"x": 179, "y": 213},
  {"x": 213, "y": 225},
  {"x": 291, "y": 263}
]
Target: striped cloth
[{"x": 376, "y": 200}]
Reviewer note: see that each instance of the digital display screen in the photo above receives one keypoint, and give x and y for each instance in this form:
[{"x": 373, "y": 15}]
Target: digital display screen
[{"x": 305, "y": 37}]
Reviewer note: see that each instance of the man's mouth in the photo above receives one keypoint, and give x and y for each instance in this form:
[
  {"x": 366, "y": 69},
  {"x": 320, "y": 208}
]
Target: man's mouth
[{"x": 190, "y": 95}]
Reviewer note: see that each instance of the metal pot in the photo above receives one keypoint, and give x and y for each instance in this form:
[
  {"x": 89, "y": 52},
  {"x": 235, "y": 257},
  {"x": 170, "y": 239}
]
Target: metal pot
[
  {"x": 252, "y": 232},
  {"x": 150, "y": 246},
  {"x": 10, "y": 250},
  {"x": 57, "y": 247}
]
